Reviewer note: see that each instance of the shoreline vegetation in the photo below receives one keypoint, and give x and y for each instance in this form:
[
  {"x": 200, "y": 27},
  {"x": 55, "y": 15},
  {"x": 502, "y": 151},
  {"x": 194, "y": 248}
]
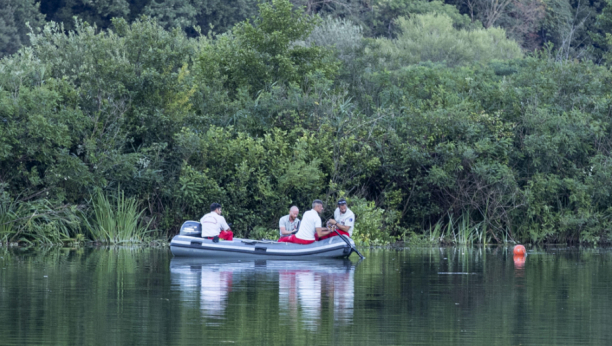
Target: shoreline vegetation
[{"x": 447, "y": 131}]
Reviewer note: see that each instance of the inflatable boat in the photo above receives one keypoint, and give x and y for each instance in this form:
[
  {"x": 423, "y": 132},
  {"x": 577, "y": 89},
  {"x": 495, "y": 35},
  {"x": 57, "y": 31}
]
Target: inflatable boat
[{"x": 190, "y": 243}]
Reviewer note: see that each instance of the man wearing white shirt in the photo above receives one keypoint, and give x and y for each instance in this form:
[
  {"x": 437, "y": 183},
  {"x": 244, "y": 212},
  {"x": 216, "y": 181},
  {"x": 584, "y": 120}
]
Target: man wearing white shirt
[
  {"x": 344, "y": 220},
  {"x": 213, "y": 224},
  {"x": 310, "y": 226}
]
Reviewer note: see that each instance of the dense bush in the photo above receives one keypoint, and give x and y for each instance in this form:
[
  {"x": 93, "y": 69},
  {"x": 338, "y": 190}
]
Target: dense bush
[
  {"x": 254, "y": 56},
  {"x": 488, "y": 145},
  {"x": 432, "y": 37}
]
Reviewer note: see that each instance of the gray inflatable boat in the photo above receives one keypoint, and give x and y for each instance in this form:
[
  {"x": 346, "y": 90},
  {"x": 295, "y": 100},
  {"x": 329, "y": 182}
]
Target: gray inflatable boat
[{"x": 190, "y": 243}]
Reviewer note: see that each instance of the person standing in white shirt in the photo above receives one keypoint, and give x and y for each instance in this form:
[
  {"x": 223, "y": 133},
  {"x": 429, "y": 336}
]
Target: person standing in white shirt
[
  {"x": 213, "y": 224},
  {"x": 310, "y": 226},
  {"x": 344, "y": 220}
]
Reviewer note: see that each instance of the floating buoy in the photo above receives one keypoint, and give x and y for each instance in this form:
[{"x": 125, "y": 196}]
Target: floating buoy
[{"x": 519, "y": 250}]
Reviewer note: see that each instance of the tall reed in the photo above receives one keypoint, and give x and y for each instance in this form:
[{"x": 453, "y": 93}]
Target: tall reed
[
  {"x": 38, "y": 222},
  {"x": 465, "y": 230},
  {"x": 436, "y": 234},
  {"x": 460, "y": 231},
  {"x": 7, "y": 219},
  {"x": 116, "y": 219}
]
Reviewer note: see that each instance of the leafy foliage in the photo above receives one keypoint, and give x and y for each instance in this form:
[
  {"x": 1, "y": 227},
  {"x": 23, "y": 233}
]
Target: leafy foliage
[
  {"x": 383, "y": 19},
  {"x": 218, "y": 15},
  {"x": 369, "y": 225},
  {"x": 447, "y": 125},
  {"x": 256, "y": 55},
  {"x": 98, "y": 13},
  {"x": 343, "y": 35},
  {"x": 433, "y": 38},
  {"x": 15, "y": 17},
  {"x": 255, "y": 179}
]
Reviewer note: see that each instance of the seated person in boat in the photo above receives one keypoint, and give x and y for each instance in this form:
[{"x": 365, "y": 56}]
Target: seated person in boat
[
  {"x": 309, "y": 227},
  {"x": 343, "y": 221},
  {"x": 288, "y": 224},
  {"x": 213, "y": 224}
]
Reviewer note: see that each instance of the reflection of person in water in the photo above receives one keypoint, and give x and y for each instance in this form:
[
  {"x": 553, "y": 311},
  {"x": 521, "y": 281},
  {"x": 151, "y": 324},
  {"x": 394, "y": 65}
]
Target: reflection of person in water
[
  {"x": 287, "y": 295},
  {"x": 302, "y": 289},
  {"x": 215, "y": 286},
  {"x": 344, "y": 296},
  {"x": 208, "y": 284},
  {"x": 309, "y": 296}
]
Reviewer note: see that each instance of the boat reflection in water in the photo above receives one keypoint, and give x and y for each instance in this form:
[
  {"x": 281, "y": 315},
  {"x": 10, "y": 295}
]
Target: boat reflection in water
[{"x": 304, "y": 287}]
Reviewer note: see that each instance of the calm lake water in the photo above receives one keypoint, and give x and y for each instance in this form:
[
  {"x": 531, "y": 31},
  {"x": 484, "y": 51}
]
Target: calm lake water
[{"x": 432, "y": 296}]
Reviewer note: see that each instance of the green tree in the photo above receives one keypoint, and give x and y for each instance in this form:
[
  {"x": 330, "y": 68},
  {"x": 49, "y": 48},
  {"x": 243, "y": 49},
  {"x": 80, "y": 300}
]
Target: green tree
[
  {"x": 15, "y": 16},
  {"x": 378, "y": 17},
  {"x": 381, "y": 19},
  {"x": 432, "y": 37},
  {"x": 341, "y": 34},
  {"x": 134, "y": 88},
  {"x": 185, "y": 14},
  {"x": 602, "y": 31},
  {"x": 256, "y": 179},
  {"x": 98, "y": 12},
  {"x": 42, "y": 125},
  {"x": 256, "y": 55}
]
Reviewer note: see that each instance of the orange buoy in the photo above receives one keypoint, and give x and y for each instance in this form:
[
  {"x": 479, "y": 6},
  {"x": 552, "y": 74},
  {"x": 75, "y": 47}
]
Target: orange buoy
[{"x": 519, "y": 250}]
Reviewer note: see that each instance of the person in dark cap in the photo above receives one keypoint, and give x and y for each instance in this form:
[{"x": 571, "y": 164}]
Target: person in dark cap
[
  {"x": 213, "y": 224},
  {"x": 343, "y": 221}
]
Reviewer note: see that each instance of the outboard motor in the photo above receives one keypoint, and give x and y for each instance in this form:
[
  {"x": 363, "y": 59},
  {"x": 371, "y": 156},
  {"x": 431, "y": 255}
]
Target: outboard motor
[{"x": 191, "y": 229}]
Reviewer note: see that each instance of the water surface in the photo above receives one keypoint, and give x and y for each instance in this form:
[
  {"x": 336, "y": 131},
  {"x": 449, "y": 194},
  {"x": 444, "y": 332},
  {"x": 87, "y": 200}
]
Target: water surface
[{"x": 429, "y": 296}]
